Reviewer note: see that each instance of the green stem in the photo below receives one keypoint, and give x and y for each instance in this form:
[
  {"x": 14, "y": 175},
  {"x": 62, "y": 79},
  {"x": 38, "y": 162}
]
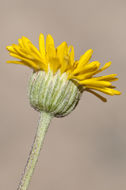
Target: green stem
[{"x": 44, "y": 122}]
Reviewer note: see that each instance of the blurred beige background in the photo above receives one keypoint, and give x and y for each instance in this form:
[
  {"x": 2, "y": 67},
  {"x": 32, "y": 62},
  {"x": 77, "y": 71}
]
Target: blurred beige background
[{"x": 87, "y": 149}]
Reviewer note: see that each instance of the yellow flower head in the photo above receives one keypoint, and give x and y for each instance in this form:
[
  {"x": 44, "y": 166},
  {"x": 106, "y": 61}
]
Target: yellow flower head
[{"x": 81, "y": 71}]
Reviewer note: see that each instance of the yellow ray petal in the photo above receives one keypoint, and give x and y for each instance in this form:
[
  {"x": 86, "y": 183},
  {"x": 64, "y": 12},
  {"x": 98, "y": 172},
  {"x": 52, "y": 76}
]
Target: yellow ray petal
[
  {"x": 62, "y": 50},
  {"x": 104, "y": 67},
  {"x": 27, "y": 61},
  {"x": 111, "y": 77},
  {"x": 11, "y": 49},
  {"x": 108, "y": 91},
  {"x": 42, "y": 45},
  {"x": 93, "y": 66},
  {"x": 25, "y": 42},
  {"x": 30, "y": 48},
  {"x": 50, "y": 47},
  {"x": 91, "y": 82},
  {"x": 21, "y": 43},
  {"x": 19, "y": 52},
  {"x": 71, "y": 54},
  {"x": 84, "y": 76},
  {"x": 17, "y": 62},
  {"x": 85, "y": 58},
  {"x": 35, "y": 67}
]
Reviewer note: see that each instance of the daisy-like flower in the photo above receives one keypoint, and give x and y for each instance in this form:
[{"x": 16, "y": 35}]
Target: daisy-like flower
[
  {"x": 56, "y": 84},
  {"x": 82, "y": 72}
]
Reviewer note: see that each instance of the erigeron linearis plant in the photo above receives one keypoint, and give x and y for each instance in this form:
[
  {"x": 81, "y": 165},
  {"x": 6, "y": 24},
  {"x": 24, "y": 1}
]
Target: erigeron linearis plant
[{"x": 56, "y": 85}]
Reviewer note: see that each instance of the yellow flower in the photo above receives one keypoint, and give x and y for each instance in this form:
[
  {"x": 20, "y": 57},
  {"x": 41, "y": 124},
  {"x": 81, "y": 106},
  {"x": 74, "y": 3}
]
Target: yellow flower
[
  {"x": 81, "y": 71},
  {"x": 56, "y": 85}
]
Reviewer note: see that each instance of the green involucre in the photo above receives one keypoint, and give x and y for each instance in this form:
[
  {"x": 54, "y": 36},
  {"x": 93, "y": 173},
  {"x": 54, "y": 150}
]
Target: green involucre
[{"x": 54, "y": 94}]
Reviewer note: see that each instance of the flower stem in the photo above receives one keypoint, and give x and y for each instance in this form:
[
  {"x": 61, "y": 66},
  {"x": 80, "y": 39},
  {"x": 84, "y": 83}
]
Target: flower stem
[{"x": 44, "y": 122}]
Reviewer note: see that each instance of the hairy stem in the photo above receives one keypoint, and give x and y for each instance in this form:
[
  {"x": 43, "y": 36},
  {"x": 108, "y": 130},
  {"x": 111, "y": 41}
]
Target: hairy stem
[{"x": 44, "y": 122}]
